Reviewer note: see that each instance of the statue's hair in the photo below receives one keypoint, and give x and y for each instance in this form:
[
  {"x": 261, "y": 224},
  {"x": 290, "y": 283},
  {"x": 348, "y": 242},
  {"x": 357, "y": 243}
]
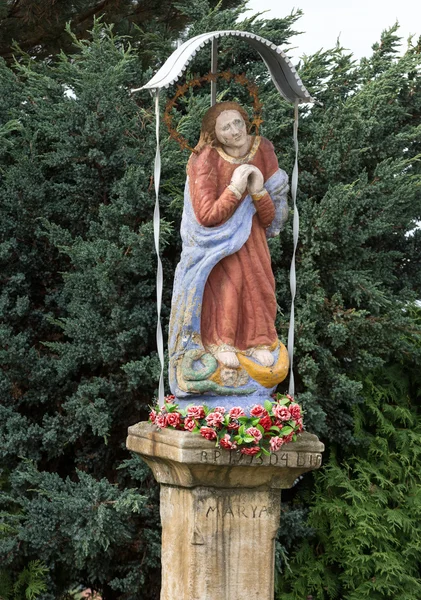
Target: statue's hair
[{"x": 207, "y": 132}]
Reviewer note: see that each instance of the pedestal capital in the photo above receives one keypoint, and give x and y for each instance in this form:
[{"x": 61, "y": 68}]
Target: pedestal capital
[{"x": 188, "y": 460}]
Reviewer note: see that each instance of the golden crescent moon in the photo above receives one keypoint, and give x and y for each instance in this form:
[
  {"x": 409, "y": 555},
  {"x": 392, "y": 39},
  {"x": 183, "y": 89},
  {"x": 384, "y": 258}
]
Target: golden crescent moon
[{"x": 267, "y": 376}]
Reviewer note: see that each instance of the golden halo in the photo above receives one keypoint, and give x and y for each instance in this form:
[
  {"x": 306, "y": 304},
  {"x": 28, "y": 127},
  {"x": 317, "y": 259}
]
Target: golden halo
[{"x": 196, "y": 82}]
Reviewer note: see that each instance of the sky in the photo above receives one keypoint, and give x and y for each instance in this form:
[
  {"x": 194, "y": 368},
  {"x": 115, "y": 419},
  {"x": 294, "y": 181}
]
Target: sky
[{"x": 358, "y": 23}]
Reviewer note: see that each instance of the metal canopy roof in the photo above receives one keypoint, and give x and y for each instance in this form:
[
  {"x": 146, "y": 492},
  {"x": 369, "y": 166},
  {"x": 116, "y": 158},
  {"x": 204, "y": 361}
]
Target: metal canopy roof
[{"x": 282, "y": 71}]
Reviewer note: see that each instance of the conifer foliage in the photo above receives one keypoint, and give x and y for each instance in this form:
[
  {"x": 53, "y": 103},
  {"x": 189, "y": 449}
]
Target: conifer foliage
[
  {"x": 78, "y": 314},
  {"x": 366, "y": 511}
]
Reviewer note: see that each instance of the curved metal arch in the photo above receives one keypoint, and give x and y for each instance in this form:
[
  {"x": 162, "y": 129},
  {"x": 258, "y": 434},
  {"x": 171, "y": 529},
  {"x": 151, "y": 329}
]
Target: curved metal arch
[{"x": 283, "y": 74}]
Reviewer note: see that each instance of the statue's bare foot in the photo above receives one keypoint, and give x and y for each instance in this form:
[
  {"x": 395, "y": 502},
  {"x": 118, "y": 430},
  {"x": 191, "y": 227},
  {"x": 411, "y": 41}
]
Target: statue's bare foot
[
  {"x": 264, "y": 357},
  {"x": 227, "y": 358}
]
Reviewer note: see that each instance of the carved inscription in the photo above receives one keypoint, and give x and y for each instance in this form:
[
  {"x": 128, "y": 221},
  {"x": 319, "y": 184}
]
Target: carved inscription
[
  {"x": 248, "y": 512},
  {"x": 280, "y": 459}
]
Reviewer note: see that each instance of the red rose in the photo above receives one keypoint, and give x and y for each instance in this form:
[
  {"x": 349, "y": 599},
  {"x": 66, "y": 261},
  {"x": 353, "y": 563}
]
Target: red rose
[
  {"x": 170, "y": 399},
  {"x": 208, "y": 433},
  {"x": 219, "y": 409},
  {"x": 161, "y": 421},
  {"x": 236, "y": 412},
  {"x": 258, "y": 411},
  {"x": 295, "y": 411},
  {"x": 281, "y": 412},
  {"x": 288, "y": 438},
  {"x": 233, "y": 425},
  {"x": 173, "y": 419},
  {"x": 152, "y": 416},
  {"x": 251, "y": 451},
  {"x": 189, "y": 424},
  {"x": 254, "y": 432},
  {"x": 226, "y": 443},
  {"x": 197, "y": 412},
  {"x": 266, "y": 423}
]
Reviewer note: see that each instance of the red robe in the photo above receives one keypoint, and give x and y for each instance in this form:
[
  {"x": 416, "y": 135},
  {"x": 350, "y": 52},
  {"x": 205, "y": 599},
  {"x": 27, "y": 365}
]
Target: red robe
[{"x": 239, "y": 304}]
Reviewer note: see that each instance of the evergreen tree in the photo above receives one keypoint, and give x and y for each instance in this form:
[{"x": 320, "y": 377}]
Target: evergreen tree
[
  {"x": 38, "y": 27},
  {"x": 77, "y": 301}
]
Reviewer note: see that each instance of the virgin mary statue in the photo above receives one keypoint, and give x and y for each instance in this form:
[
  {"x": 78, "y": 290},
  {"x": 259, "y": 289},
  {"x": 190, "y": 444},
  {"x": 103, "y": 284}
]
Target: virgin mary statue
[{"x": 223, "y": 341}]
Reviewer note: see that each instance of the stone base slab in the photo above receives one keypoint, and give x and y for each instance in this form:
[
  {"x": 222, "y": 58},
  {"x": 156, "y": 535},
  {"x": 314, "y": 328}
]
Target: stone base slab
[{"x": 187, "y": 459}]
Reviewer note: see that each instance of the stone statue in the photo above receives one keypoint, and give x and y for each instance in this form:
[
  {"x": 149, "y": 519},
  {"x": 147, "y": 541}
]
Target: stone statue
[{"x": 223, "y": 345}]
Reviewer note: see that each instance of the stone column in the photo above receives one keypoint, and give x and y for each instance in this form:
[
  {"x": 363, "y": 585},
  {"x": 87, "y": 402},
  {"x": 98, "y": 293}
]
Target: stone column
[{"x": 220, "y": 511}]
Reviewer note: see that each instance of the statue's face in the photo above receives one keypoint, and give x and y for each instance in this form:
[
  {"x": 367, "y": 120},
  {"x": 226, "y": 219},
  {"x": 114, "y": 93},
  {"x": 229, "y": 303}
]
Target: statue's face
[{"x": 230, "y": 129}]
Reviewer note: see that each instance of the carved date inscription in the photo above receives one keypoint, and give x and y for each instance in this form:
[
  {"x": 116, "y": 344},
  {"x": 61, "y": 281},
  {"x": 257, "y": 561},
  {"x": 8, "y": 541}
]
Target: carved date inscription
[{"x": 280, "y": 459}]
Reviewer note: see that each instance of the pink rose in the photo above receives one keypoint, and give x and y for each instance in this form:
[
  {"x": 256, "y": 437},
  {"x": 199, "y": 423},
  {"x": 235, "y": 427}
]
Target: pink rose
[
  {"x": 214, "y": 419},
  {"x": 275, "y": 443},
  {"x": 197, "y": 412},
  {"x": 161, "y": 421},
  {"x": 279, "y": 423},
  {"x": 173, "y": 419},
  {"x": 251, "y": 451},
  {"x": 266, "y": 423},
  {"x": 170, "y": 399},
  {"x": 258, "y": 411},
  {"x": 290, "y": 398},
  {"x": 299, "y": 424},
  {"x": 233, "y": 425},
  {"x": 281, "y": 412},
  {"x": 236, "y": 412},
  {"x": 226, "y": 443},
  {"x": 208, "y": 433},
  {"x": 152, "y": 416},
  {"x": 219, "y": 409},
  {"x": 295, "y": 411},
  {"x": 189, "y": 423},
  {"x": 254, "y": 432}
]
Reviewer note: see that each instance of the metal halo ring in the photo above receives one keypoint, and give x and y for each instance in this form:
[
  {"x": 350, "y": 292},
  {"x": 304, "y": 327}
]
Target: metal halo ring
[{"x": 196, "y": 82}]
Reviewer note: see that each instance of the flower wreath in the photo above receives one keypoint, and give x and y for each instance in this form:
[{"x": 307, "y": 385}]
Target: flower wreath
[
  {"x": 196, "y": 82},
  {"x": 267, "y": 428}
]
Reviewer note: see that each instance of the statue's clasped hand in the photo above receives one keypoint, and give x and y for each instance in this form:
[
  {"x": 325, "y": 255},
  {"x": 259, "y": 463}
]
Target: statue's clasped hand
[
  {"x": 247, "y": 176},
  {"x": 255, "y": 181}
]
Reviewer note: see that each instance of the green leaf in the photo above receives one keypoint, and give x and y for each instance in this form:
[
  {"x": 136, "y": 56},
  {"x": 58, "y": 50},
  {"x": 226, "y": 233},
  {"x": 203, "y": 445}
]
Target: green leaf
[
  {"x": 268, "y": 405},
  {"x": 248, "y": 438},
  {"x": 286, "y": 430}
]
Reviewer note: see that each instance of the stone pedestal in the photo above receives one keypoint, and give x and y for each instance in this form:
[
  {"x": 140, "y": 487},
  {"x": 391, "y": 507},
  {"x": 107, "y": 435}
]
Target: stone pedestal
[{"x": 220, "y": 511}]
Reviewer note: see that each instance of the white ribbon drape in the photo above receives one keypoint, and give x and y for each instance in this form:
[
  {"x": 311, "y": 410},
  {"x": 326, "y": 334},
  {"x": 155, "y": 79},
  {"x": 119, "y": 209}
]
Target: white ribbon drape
[
  {"x": 159, "y": 274},
  {"x": 295, "y": 230}
]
